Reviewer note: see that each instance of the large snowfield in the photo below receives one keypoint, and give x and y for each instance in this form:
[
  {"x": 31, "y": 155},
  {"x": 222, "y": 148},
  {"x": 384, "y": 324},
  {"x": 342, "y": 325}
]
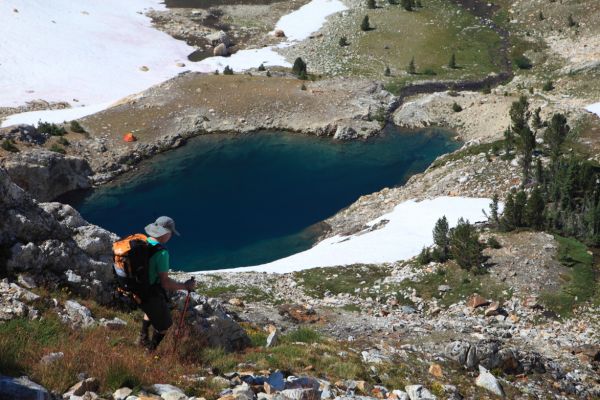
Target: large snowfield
[
  {"x": 91, "y": 53},
  {"x": 409, "y": 229}
]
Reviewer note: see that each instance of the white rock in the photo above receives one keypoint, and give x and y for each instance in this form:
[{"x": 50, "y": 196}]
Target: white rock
[
  {"x": 272, "y": 339},
  {"x": 122, "y": 394},
  {"x": 489, "y": 382}
]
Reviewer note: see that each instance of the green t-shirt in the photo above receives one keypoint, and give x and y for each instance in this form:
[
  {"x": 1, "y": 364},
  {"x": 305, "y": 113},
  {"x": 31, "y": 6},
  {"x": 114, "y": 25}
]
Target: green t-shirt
[{"x": 159, "y": 262}]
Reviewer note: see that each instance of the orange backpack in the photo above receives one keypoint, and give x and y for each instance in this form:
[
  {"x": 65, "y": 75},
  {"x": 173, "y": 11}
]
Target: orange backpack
[{"x": 131, "y": 264}]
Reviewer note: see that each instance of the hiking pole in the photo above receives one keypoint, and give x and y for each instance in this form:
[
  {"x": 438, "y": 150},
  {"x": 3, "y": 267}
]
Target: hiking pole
[{"x": 181, "y": 319}]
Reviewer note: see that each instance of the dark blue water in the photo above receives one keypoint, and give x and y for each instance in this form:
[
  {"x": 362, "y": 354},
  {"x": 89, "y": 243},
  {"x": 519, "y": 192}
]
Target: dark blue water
[{"x": 251, "y": 199}]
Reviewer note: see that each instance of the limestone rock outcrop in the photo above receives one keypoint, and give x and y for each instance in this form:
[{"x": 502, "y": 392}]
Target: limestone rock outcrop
[
  {"x": 47, "y": 174},
  {"x": 52, "y": 243}
]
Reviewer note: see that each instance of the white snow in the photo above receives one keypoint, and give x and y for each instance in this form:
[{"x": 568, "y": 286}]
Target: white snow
[
  {"x": 594, "y": 108},
  {"x": 309, "y": 18},
  {"x": 55, "y": 116},
  {"x": 409, "y": 229},
  {"x": 92, "y": 51}
]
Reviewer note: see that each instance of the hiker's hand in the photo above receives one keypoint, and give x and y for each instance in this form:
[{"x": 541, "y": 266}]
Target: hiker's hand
[{"x": 190, "y": 285}]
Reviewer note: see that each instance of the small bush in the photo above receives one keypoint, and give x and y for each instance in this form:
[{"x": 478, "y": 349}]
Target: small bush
[
  {"x": 303, "y": 87},
  {"x": 76, "y": 127},
  {"x": 570, "y": 21},
  {"x": 261, "y": 67},
  {"x": 227, "y": 70},
  {"x": 548, "y": 86},
  {"x": 9, "y": 145},
  {"x": 493, "y": 243},
  {"x": 387, "y": 72},
  {"x": 118, "y": 376},
  {"x": 57, "y": 148},
  {"x": 424, "y": 256},
  {"x": 456, "y": 107},
  {"x": 216, "y": 72},
  {"x": 429, "y": 71},
  {"x": 51, "y": 129},
  {"x": 63, "y": 141},
  {"x": 371, "y": 4},
  {"x": 453, "y": 93},
  {"x": 487, "y": 89},
  {"x": 268, "y": 74},
  {"x": 523, "y": 62},
  {"x": 304, "y": 335},
  {"x": 343, "y": 41}
]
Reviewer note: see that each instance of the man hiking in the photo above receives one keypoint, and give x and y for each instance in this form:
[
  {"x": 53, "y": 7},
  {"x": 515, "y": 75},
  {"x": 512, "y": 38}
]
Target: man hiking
[{"x": 153, "y": 299}]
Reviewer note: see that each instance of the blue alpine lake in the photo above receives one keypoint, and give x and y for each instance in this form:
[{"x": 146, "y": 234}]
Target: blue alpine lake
[{"x": 249, "y": 199}]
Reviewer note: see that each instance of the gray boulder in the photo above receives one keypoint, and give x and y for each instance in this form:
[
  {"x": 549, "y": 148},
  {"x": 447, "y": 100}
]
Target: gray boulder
[
  {"x": 217, "y": 38},
  {"x": 220, "y": 51},
  {"x": 47, "y": 174},
  {"x": 419, "y": 392},
  {"x": 22, "y": 389}
]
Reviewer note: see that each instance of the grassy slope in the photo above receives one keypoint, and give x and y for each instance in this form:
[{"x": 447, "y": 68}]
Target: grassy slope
[{"x": 430, "y": 35}]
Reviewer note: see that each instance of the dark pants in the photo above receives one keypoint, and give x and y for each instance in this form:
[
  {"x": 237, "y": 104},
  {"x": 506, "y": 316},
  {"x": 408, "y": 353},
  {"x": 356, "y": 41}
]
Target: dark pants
[{"x": 156, "y": 308}]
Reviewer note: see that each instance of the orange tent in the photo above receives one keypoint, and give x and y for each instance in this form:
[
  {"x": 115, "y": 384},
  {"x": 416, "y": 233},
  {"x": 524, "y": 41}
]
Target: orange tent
[{"x": 129, "y": 137}]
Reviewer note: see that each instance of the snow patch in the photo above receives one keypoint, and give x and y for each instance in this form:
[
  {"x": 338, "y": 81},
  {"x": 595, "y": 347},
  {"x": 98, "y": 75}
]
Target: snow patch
[
  {"x": 409, "y": 229},
  {"x": 594, "y": 108},
  {"x": 97, "y": 52}
]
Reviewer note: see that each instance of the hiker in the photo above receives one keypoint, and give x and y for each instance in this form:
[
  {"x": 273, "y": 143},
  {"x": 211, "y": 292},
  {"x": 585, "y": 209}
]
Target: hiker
[{"x": 155, "y": 306}]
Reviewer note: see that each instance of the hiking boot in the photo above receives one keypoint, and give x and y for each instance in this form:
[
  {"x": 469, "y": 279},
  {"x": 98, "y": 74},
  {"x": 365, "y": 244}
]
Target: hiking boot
[
  {"x": 156, "y": 339},
  {"x": 143, "y": 340}
]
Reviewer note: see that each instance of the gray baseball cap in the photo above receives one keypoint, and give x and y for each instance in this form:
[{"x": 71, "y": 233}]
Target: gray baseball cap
[{"x": 161, "y": 226}]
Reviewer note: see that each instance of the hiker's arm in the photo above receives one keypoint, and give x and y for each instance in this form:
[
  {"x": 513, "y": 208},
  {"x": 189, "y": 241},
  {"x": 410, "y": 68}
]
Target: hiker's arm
[{"x": 170, "y": 284}]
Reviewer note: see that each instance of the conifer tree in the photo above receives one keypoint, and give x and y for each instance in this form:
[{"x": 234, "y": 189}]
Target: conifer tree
[
  {"x": 508, "y": 216},
  {"x": 387, "y": 71},
  {"x": 519, "y": 115},
  {"x": 494, "y": 218},
  {"x": 464, "y": 245},
  {"x": 539, "y": 172},
  {"x": 418, "y": 4},
  {"x": 520, "y": 204},
  {"x": 343, "y": 41},
  {"x": 371, "y": 4},
  {"x": 408, "y": 4},
  {"x": 299, "y": 68},
  {"x": 452, "y": 62},
  {"x": 440, "y": 237},
  {"x": 509, "y": 141},
  {"x": 261, "y": 67},
  {"x": 412, "y": 69},
  {"x": 556, "y": 134},
  {"x": 536, "y": 121},
  {"x": 534, "y": 212},
  {"x": 364, "y": 25}
]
